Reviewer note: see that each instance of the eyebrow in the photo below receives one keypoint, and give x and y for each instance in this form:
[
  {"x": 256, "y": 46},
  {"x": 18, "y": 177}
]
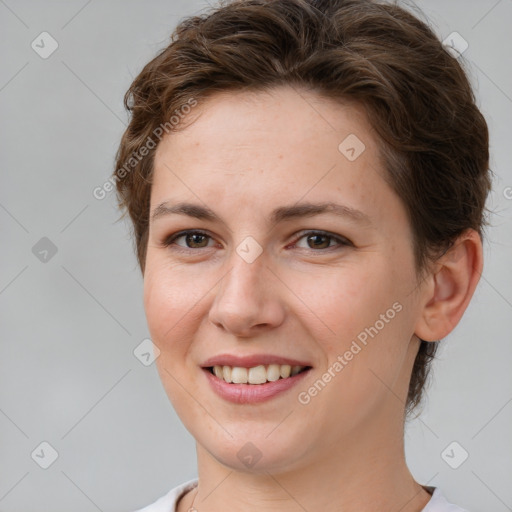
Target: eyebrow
[{"x": 280, "y": 214}]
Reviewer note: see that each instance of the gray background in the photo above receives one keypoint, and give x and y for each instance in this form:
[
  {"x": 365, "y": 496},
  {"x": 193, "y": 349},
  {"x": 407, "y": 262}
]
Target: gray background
[{"x": 69, "y": 326}]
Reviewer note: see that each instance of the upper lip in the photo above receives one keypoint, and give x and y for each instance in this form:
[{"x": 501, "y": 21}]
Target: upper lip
[{"x": 250, "y": 361}]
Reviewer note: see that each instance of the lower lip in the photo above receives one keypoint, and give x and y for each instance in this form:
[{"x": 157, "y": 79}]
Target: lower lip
[{"x": 251, "y": 393}]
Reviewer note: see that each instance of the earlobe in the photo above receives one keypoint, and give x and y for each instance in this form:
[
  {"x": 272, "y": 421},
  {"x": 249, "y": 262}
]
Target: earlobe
[{"x": 451, "y": 286}]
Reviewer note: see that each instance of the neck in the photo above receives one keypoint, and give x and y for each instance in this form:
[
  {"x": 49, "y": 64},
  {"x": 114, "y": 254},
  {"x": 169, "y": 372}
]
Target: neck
[{"x": 352, "y": 476}]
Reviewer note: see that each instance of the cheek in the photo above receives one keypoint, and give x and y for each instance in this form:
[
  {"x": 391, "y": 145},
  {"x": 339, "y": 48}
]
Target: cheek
[
  {"x": 366, "y": 313},
  {"x": 169, "y": 303},
  {"x": 170, "y": 307},
  {"x": 171, "y": 298},
  {"x": 342, "y": 302}
]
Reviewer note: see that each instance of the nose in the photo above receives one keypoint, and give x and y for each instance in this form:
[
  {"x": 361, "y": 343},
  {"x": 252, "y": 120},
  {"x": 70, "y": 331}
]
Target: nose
[{"x": 248, "y": 300}]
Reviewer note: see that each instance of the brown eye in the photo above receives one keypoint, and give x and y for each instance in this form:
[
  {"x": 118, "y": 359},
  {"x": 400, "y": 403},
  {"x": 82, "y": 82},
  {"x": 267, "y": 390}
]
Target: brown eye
[
  {"x": 322, "y": 240},
  {"x": 319, "y": 241},
  {"x": 193, "y": 240}
]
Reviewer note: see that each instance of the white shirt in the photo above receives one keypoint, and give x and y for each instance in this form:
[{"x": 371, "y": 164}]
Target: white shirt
[{"x": 168, "y": 502}]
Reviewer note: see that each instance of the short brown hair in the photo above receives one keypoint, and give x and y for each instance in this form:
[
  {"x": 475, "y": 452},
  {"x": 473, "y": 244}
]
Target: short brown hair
[{"x": 434, "y": 140}]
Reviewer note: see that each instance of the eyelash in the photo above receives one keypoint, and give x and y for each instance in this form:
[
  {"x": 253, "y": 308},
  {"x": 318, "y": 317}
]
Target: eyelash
[{"x": 169, "y": 241}]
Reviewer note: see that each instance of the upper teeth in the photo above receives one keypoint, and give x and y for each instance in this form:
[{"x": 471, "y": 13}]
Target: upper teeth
[{"x": 256, "y": 375}]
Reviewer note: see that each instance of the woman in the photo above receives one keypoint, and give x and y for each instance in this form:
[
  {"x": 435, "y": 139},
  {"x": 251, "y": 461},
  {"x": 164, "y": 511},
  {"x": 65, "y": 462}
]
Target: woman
[{"x": 306, "y": 182}]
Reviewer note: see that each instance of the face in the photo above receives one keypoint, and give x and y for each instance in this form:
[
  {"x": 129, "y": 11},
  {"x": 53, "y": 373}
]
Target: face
[{"x": 265, "y": 273}]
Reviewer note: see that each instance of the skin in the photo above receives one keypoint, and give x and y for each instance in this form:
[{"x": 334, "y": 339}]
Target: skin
[{"x": 242, "y": 155}]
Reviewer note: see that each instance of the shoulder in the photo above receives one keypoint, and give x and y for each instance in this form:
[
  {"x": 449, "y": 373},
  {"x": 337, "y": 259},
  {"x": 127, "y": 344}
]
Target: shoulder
[
  {"x": 167, "y": 503},
  {"x": 438, "y": 503}
]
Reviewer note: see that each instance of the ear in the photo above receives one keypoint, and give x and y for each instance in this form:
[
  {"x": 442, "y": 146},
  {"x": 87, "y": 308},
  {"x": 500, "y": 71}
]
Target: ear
[{"x": 450, "y": 287}]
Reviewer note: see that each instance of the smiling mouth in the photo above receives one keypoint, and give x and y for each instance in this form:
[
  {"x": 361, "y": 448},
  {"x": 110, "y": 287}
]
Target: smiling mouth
[{"x": 261, "y": 374}]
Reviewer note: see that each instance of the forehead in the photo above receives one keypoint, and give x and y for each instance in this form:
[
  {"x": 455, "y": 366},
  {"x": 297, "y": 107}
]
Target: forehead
[
  {"x": 284, "y": 114},
  {"x": 253, "y": 149}
]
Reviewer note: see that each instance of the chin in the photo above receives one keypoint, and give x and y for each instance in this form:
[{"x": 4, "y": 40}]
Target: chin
[{"x": 256, "y": 452}]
